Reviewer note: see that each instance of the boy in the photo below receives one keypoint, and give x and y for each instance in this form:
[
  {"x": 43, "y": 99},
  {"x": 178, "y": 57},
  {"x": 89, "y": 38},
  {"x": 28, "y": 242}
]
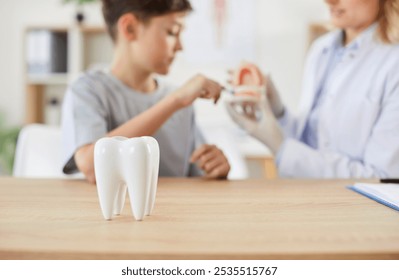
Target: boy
[{"x": 129, "y": 101}]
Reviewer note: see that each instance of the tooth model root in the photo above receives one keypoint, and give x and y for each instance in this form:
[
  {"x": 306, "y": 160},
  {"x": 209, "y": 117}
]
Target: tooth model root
[{"x": 122, "y": 164}]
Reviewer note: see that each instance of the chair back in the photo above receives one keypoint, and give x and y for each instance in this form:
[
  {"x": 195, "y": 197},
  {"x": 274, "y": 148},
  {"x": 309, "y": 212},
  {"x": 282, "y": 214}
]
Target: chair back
[{"x": 39, "y": 152}]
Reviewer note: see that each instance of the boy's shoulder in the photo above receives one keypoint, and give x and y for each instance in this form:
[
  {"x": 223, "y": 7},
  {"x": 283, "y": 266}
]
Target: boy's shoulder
[
  {"x": 94, "y": 83},
  {"x": 92, "y": 77},
  {"x": 102, "y": 83}
]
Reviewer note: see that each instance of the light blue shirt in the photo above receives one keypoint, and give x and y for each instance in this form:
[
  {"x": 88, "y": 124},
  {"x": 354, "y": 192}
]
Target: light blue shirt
[{"x": 347, "y": 125}]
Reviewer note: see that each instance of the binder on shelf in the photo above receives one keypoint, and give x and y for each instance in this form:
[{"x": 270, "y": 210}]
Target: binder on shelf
[
  {"x": 47, "y": 51},
  {"x": 59, "y": 52}
]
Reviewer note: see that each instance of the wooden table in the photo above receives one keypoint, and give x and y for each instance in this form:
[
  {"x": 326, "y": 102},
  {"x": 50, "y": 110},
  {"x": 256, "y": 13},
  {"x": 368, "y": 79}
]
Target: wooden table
[{"x": 197, "y": 219}]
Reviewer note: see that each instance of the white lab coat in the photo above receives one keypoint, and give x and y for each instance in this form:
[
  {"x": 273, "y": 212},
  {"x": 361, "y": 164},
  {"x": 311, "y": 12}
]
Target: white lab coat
[{"x": 358, "y": 127}]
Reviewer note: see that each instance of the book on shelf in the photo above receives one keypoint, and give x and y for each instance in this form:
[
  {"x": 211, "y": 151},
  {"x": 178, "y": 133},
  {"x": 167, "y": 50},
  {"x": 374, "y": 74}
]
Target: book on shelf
[{"x": 47, "y": 52}]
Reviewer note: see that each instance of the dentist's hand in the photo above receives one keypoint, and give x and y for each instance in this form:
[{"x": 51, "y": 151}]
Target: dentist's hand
[
  {"x": 255, "y": 77},
  {"x": 273, "y": 97},
  {"x": 212, "y": 161},
  {"x": 257, "y": 118},
  {"x": 197, "y": 87}
]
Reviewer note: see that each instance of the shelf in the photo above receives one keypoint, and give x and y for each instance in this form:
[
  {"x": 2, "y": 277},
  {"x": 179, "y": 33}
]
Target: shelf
[
  {"x": 48, "y": 28},
  {"x": 81, "y": 45},
  {"x": 87, "y": 29},
  {"x": 93, "y": 29},
  {"x": 48, "y": 79}
]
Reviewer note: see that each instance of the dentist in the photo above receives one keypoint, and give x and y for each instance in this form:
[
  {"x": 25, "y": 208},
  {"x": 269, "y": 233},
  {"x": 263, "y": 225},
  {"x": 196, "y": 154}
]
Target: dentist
[{"x": 348, "y": 120}]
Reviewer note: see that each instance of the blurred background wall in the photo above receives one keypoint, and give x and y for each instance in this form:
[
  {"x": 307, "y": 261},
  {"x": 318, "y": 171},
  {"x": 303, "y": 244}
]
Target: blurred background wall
[
  {"x": 279, "y": 41},
  {"x": 281, "y": 32}
]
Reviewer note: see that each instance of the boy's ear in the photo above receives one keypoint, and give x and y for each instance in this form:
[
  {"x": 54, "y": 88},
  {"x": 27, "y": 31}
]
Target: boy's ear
[{"x": 128, "y": 26}]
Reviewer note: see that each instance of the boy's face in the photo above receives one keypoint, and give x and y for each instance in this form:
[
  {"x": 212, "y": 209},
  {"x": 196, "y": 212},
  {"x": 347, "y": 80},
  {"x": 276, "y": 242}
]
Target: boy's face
[{"x": 158, "y": 41}]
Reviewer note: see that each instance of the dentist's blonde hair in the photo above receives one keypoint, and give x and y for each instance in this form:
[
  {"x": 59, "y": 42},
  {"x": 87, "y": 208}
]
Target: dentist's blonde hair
[{"x": 388, "y": 29}]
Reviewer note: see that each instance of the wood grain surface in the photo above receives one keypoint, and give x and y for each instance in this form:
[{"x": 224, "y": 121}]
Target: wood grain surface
[{"x": 197, "y": 219}]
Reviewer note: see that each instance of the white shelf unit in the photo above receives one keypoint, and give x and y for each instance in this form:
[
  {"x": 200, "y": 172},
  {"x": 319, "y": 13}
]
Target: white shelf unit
[
  {"x": 47, "y": 79},
  {"x": 87, "y": 46}
]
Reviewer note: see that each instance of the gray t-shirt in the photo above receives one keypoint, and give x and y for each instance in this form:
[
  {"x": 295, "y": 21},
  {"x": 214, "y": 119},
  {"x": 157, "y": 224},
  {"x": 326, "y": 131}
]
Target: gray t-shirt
[{"x": 98, "y": 102}]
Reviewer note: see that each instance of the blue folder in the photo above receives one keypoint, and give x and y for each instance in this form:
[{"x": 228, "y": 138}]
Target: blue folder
[{"x": 386, "y": 194}]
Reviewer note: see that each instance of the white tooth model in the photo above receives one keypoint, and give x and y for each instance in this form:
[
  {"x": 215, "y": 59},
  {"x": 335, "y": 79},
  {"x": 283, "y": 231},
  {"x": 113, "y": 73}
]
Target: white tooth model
[{"x": 122, "y": 163}]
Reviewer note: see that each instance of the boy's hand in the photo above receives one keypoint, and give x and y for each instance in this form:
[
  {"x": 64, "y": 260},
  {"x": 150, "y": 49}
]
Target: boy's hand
[
  {"x": 212, "y": 160},
  {"x": 198, "y": 86}
]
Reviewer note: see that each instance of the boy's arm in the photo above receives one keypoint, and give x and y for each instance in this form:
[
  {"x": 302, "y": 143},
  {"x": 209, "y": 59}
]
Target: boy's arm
[{"x": 148, "y": 122}]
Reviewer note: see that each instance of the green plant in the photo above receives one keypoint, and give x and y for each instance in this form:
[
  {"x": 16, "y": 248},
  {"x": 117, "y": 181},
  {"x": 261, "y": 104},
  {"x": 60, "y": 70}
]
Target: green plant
[{"x": 8, "y": 143}]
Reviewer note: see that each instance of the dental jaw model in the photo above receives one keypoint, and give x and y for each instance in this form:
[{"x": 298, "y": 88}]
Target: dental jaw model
[
  {"x": 249, "y": 88},
  {"x": 248, "y": 75},
  {"x": 126, "y": 164}
]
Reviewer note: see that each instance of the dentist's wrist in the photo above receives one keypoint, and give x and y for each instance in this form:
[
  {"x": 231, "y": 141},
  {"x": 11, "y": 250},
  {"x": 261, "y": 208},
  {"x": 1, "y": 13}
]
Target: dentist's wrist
[
  {"x": 280, "y": 113},
  {"x": 272, "y": 137}
]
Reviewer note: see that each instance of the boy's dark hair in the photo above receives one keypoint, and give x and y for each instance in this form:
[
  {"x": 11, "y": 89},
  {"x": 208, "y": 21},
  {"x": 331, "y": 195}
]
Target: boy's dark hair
[{"x": 144, "y": 10}]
